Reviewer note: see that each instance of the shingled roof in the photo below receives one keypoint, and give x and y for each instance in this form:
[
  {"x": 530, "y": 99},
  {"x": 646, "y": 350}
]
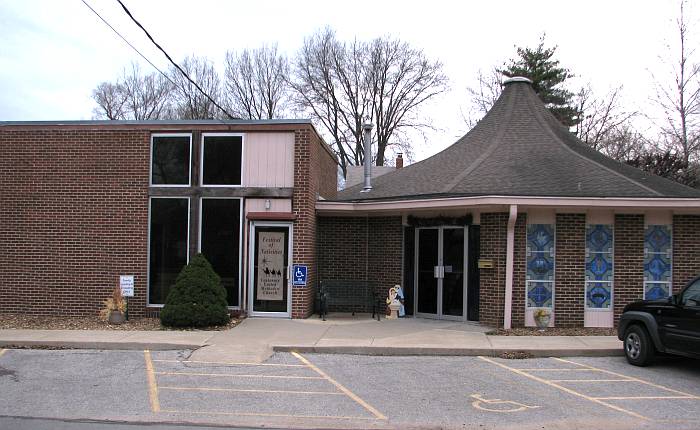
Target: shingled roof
[{"x": 518, "y": 149}]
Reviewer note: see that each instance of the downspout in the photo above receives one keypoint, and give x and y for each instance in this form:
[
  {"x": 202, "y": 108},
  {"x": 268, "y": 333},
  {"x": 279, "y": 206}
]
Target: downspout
[{"x": 510, "y": 250}]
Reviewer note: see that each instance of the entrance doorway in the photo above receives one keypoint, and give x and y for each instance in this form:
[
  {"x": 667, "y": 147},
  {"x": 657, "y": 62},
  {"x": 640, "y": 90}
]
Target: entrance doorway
[
  {"x": 441, "y": 273},
  {"x": 270, "y": 257}
]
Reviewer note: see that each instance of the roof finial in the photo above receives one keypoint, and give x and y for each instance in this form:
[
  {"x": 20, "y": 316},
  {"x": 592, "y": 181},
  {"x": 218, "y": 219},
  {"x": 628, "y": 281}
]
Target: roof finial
[{"x": 515, "y": 79}]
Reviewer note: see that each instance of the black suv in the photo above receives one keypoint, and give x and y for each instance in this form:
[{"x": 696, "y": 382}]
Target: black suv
[{"x": 667, "y": 326}]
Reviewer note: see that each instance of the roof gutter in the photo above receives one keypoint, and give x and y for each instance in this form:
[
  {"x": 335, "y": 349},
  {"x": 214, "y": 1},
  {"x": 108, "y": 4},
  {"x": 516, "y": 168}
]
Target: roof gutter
[{"x": 686, "y": 204}]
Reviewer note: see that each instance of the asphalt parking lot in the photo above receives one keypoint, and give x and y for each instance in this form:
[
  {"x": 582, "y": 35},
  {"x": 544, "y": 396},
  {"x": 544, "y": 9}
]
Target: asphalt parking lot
[{"x": 345, "y": 391}]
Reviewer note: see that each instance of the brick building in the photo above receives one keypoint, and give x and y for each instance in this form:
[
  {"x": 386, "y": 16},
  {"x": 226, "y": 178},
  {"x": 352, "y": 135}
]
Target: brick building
[
  {"x": 84, "y": 202},
  {"x": 517, "y": 215}
]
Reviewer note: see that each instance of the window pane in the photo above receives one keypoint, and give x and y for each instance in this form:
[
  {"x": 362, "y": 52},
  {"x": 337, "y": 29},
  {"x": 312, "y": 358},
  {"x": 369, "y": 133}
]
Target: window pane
[
  {"x": 221, "y": 220},
  {"x": 539, "y": 269},
  {"x": 171, "y": 160},
  {"x": 168, "y": 245},
  {"x": 222, "y": 160}
]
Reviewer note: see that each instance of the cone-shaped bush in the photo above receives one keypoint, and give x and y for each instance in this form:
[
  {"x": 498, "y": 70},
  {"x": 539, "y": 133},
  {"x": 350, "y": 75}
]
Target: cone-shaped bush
[{"x": 197, "y": 299}]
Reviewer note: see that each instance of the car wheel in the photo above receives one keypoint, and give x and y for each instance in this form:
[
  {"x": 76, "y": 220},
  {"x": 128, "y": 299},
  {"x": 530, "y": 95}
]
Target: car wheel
[{"x": 639, "y": 348}]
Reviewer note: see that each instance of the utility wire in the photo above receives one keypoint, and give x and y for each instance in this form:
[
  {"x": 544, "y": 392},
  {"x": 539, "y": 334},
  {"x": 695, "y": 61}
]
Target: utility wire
[
  {"x": 173, "y": 62},
  {"x": 127, "y": 42}
]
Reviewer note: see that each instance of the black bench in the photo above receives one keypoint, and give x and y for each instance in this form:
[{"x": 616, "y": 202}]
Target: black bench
[{"x": 351, "y": 294}]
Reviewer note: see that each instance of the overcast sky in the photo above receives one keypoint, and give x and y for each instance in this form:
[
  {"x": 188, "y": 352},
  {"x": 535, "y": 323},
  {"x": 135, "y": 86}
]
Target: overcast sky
[{"x": 53, "y": 53}]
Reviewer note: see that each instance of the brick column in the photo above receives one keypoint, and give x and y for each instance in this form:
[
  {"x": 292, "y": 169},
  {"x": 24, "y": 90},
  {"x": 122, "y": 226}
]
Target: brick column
[
  {"x": 303, "y": 206},
  {"x": 569, "y": 271},
  {"x": 628, "y": 261},
  {"x": 494, "y": 227},
  {"x": 686, "y": 250}
]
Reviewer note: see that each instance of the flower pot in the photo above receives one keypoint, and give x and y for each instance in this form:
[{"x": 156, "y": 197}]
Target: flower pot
[
  {"x": 542, "y": 322},
  {"x": 116, "y": 317}
]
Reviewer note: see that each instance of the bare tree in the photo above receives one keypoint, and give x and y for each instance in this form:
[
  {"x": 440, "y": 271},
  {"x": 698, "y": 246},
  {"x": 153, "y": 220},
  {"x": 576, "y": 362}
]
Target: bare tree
[
  {"x": 147, "y": 96},
  {"x": 110, "y": 101},
  {"x": 335, "y": 95},
  {"x": 602, "y": 119},
  {"x": 134, "y": 96},
  {"x": 256, "y": 83},
  {"x": 402, "y": 79},
  {"x": 679, "y": 99},
  {"x": 385, "y": 81},
  {"x": 487, "y": 90},
  {"x": 188, "y": 101}
]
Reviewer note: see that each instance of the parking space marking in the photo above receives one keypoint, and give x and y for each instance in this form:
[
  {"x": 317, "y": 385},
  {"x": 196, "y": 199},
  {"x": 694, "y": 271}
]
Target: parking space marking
[
  {"x": 259, "y": 414},
  {"x": 592, "y": 380},
  {"x": 232, "y": 375},
  {"x": 228, "y": 363},
  {"x": 631, "y": 378},
  {"x": 553, "y": 369},
  {"x": 647, "y": 398},
  {"x": 342, "y": 388},
  {"x": 152, "y": 386},
  {"x": 240, "y": 390},
  {"x": 565, "y": 389}
]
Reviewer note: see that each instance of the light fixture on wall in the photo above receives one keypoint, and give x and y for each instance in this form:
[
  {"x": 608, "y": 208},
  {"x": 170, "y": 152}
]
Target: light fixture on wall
[{"x": 268, "y": 204}]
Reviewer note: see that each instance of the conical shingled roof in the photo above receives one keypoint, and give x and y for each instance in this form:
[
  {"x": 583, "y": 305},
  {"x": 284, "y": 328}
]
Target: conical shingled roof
[{"x": 519, "y": 149}]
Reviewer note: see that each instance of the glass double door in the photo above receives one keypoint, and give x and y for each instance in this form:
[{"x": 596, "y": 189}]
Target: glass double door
[{"x": 441, "y": 272}]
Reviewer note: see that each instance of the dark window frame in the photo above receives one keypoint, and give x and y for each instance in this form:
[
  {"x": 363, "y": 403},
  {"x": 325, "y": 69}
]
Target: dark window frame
[
  {"x": 241, "y": 221},
  {"x": 150, "y": 164},
  {"x": 187, "y": 259},
  {"x": 201, "y": 158}
]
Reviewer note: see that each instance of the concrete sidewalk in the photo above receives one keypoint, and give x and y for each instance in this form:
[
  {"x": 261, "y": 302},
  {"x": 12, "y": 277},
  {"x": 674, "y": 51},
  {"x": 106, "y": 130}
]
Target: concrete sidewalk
[{"x": 256, "y": 339}]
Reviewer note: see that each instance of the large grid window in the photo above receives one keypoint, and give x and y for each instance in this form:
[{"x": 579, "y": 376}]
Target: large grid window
[
  {"x": 221, "y": 160},
  {"x": 599, "y": 266},
  {"x": 169, "y": 239},
  {"x": 657, "y": 262},
  {"x": 220, "y": 242},
  {"x": 171, "y": 159},
  {"x": 540, "y": 266}
]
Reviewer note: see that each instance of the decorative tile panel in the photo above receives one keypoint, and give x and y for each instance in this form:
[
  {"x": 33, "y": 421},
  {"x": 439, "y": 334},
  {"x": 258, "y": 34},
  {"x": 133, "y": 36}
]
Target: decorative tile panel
[
  {"x": 657, "y": 262},
  {"x": 540, "y": 265},
  {"x": 599, "y": 266}
]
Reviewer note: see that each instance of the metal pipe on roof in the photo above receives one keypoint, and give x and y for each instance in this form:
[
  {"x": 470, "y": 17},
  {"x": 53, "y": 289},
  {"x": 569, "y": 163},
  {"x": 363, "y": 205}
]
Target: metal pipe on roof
[{"x": 367, "y": 127}]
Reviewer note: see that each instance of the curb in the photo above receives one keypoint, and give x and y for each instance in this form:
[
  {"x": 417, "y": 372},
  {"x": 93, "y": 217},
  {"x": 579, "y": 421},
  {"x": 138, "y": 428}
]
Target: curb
[
  {"x": 488, "y": 352},
  {"x": 127, "y": 346}
]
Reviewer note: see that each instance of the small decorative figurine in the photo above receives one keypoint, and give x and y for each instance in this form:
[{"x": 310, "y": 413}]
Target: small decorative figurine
[{"x": 395, "y": 302}]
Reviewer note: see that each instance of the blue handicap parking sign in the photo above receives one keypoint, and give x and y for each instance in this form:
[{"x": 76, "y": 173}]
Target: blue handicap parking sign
[{"x": 299, "y": 275}]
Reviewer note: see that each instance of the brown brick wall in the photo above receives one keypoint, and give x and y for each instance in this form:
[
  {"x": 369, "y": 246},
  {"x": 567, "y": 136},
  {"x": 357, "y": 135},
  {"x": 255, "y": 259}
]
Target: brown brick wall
[
  {"x": 73, "y": 217},
  {"x": 686, "y": 250},
  {"x": 569, "y": 271},
  {"x": 494, "y": 227},
  {"x": 385, "y": 252},
  {"x": 328, "y": 173},
  {"x": 361, "y": 249},
  {"x": 628, "y": 261}
]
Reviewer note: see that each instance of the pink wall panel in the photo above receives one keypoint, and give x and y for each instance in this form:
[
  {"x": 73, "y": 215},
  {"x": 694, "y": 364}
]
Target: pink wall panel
[{"x": 268, "y": 160}]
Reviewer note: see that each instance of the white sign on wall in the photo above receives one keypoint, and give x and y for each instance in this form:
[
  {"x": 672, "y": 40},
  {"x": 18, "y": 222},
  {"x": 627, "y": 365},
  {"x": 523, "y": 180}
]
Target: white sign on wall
[
  {"x": 270, "y": 266},
  {"x": 126, "y": 283}
]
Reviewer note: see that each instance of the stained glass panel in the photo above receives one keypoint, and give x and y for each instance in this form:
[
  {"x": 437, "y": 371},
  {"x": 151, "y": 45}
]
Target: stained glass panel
[
  {"x": 598, "y": 295},
  {"x": 540, "y": 265},
  {"x": 657, "y": 262},
  {"x": 539, "y": 294}
]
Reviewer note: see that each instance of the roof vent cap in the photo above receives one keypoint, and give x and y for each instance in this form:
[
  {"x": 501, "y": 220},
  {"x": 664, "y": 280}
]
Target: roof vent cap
[{"x": 515, "y": 79}]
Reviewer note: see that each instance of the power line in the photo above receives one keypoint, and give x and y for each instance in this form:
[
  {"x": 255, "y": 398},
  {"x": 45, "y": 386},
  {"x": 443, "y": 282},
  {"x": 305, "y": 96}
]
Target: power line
[
  {"x": 128, "y": 43},
  {"x": 173, "y": 62}
]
